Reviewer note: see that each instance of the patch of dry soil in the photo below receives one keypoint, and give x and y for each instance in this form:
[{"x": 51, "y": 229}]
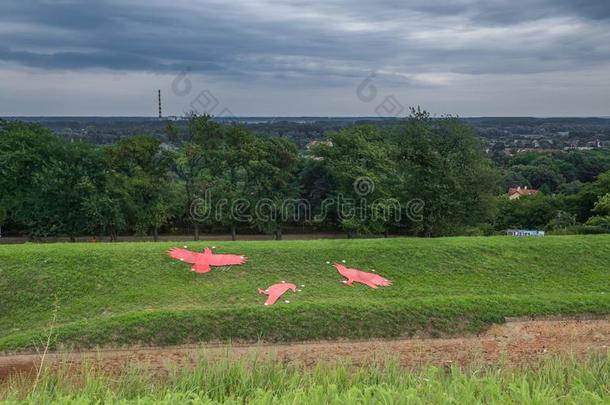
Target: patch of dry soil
[{"x": 515, "y": 342}]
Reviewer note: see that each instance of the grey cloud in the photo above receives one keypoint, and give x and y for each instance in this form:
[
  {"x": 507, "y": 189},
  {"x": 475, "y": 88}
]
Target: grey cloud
[{"x": 318, "y": 43}]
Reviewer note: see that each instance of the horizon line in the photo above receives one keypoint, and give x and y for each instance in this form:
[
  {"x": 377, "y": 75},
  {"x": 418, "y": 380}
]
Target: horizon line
[{"x": 152, "y": 117}]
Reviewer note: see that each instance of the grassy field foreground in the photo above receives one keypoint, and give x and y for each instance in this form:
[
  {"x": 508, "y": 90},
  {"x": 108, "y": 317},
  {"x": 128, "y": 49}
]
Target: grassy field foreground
[
  {"x": 133, "y": 293},
  {"x": 558, "y": 380}
]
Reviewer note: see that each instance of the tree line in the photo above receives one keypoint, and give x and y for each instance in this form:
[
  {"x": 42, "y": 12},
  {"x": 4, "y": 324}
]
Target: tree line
[{"x": 424, "y": 177}]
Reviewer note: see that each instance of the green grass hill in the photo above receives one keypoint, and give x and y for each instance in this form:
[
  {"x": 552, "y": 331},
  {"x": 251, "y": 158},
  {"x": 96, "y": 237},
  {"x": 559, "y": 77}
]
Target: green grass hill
[{"x": 133, "y": 293}]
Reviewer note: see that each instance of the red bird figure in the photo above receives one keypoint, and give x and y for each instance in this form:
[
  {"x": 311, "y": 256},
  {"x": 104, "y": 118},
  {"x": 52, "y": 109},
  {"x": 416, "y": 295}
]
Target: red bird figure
[
  {"x": 276, "y": 291},
  {"x": 203, "y": 261},
  {"x": 358, "y": 276}
]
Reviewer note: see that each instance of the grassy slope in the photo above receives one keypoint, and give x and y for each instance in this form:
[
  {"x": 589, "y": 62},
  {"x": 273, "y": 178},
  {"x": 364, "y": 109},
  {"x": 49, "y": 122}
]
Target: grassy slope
[{"x": 133, "y": 293}]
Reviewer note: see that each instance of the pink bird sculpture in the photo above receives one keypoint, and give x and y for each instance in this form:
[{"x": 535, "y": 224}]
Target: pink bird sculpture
[
  {"x": 202, "y": 262},
  {"x": 276, "y": 291},
  {"x": 357, "y": 276}
]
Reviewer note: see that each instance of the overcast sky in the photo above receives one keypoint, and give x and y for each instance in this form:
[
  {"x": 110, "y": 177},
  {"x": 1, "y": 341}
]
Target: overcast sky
[{"x": 314, "y": 58}]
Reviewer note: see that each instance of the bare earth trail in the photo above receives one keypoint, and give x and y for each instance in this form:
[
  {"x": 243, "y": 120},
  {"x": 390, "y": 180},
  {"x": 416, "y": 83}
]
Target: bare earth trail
[{"x": 515, "y": 342}]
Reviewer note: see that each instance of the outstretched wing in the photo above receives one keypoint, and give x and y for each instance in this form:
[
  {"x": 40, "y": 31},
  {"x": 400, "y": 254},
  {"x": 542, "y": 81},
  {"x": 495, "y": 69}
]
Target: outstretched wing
[
  {"x": 226, "y": 260},
  {"x": 183, "y": 255}
]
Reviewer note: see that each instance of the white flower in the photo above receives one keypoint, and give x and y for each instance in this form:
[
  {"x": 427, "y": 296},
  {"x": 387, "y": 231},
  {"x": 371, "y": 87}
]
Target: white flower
[
  {"x": 342, "y": 261},
  {"x": 287, "y": 302}
]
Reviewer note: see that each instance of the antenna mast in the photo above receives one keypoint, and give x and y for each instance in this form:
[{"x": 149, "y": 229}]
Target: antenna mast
[{"x": 160, "y": 114}]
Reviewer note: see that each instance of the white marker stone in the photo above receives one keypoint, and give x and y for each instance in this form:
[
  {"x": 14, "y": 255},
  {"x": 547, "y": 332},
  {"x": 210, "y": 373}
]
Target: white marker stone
[
  {"x": 327, "y": 262},
  {"x": 299, "y": 290},
  {"x": 302, "y": 285},
  {"x": 185, "y": 246},
  {"x": 287, "y": 302},
  {"x": 342, "y": 261}
]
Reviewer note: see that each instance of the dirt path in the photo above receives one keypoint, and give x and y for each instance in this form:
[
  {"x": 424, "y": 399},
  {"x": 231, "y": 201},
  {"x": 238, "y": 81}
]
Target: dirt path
[{"x": 515, "y": 342}]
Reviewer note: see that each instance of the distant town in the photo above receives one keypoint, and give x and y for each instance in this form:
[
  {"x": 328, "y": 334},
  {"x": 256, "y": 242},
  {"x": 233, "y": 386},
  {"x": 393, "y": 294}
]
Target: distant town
[{"x": 508, "y": 135}]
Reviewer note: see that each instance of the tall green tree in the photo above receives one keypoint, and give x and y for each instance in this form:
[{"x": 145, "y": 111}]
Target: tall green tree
[
  {"x": 231, "y": 177},
  {"x": 199, "y": 149},
  {"x": 55, "y": 205},
  {"x": 141, "y": 168},
  {"x": 584, "y": 202},
  {"x": 448, "y": 171},
  {"x": 25, "y": 150},
  {"x": 359, "y": 163},
  {"x": 105, "y": 214},
  {"x": 46, "y": 180},
  {"x": 602, "y": 213},
  {"x": 273, "y": 185}
]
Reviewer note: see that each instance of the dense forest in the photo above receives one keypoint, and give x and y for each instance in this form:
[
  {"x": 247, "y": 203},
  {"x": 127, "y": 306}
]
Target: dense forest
[{"x": 419, "y": 176}]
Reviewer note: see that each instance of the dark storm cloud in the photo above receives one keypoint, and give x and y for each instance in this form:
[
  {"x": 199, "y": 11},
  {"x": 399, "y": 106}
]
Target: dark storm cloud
[{"x": 322, "y": 40}]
